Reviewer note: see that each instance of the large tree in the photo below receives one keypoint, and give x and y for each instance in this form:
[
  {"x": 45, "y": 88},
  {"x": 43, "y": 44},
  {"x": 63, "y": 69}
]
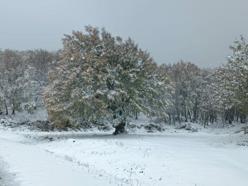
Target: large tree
[
  {"x": 233, "y": 82},
  {"x": 101, "y": 78}
]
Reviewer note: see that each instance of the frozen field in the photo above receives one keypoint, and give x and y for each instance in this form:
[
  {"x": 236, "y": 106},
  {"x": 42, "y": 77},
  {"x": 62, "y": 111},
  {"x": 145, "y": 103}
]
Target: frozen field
[{"x": 173, "y": 159}]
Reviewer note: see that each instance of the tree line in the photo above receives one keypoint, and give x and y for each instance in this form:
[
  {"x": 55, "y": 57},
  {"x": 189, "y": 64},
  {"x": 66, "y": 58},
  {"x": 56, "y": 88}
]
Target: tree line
[{"x": 101, "y": 79}]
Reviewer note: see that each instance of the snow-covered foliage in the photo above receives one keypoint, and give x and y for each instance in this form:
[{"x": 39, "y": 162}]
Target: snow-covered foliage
[
  {"x": 101, "y": 78},
  {"x": 232, "y": 83},
  {"x": 23, "y": 75}
]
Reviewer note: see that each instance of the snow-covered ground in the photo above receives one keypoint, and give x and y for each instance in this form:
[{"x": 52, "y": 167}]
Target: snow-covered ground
[
  {"x": 34, "y": 166},
  {"x": 175, "y": 158},
  {"x": 6, "y": 178}
]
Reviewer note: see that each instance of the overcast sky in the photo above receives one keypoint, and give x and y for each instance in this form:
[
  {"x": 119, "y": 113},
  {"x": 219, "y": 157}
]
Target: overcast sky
[{"x": 199, "y": 31}]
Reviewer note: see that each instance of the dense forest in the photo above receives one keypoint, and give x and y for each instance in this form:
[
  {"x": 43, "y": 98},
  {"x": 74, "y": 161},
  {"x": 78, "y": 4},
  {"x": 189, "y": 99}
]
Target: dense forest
[{"x": 101, "y": 79}]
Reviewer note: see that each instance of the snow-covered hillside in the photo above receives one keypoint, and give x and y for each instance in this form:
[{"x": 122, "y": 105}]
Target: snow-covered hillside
[{"x": 170, "y": 158}]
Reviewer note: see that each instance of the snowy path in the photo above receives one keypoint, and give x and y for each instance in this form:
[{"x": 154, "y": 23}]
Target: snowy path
[
  {"x": 137, "y": 160},
  {"x": 6, "y": 179},
  {"x": 36, "y": 167}
]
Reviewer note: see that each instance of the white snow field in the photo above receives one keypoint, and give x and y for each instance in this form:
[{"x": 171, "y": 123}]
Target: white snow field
[
  {"x": 6, "y": 179},
  {"x": 168, "y": 159}
]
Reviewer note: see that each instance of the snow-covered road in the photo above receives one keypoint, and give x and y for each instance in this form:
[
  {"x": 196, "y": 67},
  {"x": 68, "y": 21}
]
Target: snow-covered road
[{"x": 173, "y": 160}]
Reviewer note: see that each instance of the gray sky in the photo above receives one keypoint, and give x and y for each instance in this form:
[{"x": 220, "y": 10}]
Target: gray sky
[{"x": 199, "y": 31}]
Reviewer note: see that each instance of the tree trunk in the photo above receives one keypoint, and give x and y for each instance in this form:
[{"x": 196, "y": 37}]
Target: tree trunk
[
  {"x": 120, "y": 128},
  {"x": 13, "y": 110},
  {"x": 6, "y": 108},
  {"x": 136, "y": 115},
  {"x": 242, "y": 118}
]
